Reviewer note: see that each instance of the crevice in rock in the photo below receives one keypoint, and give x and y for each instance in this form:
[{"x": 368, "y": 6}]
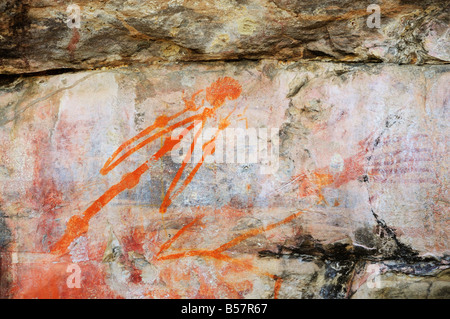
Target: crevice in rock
[
  {"x": 6, "y": 79},
  {"x": 341, "y": 261}
]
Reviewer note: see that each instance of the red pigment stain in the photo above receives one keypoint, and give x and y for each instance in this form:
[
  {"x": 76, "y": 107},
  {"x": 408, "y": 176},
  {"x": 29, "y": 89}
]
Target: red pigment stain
[
  {"x": 312, "y": 183},
  {"x": 44, "y": 195},
  {"x": 378, "y": 168},
  {"x": 49, "y": 281},
  {"x": 73, "y": 41},
  {"x": 134, "y": 241}
]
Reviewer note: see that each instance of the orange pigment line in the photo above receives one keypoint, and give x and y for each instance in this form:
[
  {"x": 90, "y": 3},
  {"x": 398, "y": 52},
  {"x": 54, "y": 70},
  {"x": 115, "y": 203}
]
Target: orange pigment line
[
  {"x": 167, "y": 200},
  {"x": 209, "y": 148},
  {"x": 206, "y": 151},
  {"x": 189, "y": 178},
  {"x": 169, "y": 243},
  {"x": 218, "y": 251},
  {"x": 199, "y": 252},
  {"x": 160, "y": 122},
  {"x": 276, "y": 289},
  {"x": 216, "y": 95}
]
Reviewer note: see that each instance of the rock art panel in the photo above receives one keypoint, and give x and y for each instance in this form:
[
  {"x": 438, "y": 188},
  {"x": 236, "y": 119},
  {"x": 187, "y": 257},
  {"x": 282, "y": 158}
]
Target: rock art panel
[{"x": 248, "y": 179}]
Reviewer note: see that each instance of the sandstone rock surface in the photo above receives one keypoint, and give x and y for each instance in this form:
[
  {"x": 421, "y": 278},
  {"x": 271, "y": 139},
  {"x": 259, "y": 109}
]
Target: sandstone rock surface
[
  {"x": 35, "y": 34},
  {"x": 224, "y": 149}
]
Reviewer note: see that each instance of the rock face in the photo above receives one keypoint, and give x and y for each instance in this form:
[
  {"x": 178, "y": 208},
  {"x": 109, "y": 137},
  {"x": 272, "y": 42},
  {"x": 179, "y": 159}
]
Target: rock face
[
  {"x": 240, "y": 152},
  {"x": 36, "y": 35}
]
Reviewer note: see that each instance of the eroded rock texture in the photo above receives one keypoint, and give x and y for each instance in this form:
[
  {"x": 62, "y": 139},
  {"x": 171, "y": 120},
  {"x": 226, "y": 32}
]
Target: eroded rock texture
[
  {"x": 351, "y": 200},
  {"x": 34, "y": 35}
]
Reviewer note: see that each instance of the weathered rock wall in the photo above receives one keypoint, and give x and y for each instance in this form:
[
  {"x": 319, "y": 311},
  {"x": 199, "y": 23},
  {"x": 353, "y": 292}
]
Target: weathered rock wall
[
  {"x": 346, "y": 195},
  {"x": 34, "y": 34}
]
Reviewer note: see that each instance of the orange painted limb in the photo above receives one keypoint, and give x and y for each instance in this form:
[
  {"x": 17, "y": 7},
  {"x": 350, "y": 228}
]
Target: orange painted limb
[
  {"x": 276, "y": 289},
  {"x": 160, "y": 122},
  {"x": 189, "y": 178},
  {"x": 77, "y": 225},
  {"x": 208, "y": 149},
  {"x": 217, "y": 253},
  {"x": 231, "y": 243},
  {"x": 256, "y": 231},
  {"x": 167, "y": 199},
  {"x": 168, "y": 243},
  {"x": 199, "y": 252},
  {"x": 109, "y": 165}
]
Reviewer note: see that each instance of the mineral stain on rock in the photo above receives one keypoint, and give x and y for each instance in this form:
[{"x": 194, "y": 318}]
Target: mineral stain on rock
[
  {"x": 5, "y": 257},
  {"x": 5, "y": 233}
]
